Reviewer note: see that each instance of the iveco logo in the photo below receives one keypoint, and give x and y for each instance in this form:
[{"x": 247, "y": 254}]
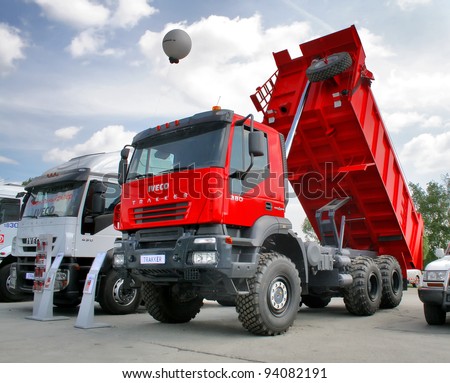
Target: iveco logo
[
  {"x": 158, "y": 187},
  {"x": 31, "y": 241}
]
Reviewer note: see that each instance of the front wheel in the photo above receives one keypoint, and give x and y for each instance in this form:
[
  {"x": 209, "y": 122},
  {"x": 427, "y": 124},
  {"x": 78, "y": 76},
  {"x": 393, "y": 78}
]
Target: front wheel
[
  {"x": 272, "y": 303},
  {"x": 434, "y": 315},
  {"x": 114, "y": 298},
  {"x": 171, "y": 304},
  {"x": 6, "y": 293}
]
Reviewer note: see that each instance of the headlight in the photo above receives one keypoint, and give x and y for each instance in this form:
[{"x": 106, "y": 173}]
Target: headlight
[
  {"x": 119, "y": 260},
  {"x": 435, "y": 275},
  {"x": 204, "y": 257}
]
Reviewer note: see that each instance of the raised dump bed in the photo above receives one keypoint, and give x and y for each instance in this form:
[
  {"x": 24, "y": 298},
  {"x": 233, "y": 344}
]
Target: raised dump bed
[{"x": 340, "y": 148}]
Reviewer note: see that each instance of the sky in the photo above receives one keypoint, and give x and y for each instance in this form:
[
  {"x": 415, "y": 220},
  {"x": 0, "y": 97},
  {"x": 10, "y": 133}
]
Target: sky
[{"x": 84, "y": 76}]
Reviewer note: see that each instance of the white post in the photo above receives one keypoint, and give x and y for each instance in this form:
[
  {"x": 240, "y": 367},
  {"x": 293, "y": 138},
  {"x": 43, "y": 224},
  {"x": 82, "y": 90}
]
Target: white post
[
  {"x": 44, "y": 280},
  {"x": 85, "y": 318}
]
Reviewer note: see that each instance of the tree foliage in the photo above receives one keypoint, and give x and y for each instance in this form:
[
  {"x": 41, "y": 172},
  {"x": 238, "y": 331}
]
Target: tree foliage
[
  {"x": 433, "y": 203},
  {"x": 310, "y": 234}
]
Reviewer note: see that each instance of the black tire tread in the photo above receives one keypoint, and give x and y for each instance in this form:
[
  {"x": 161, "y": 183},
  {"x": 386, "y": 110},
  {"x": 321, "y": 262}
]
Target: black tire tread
[
  {"x": 355, "y": 296},
  {"x": 389, "y": 298},
  {"x": 247, "y": 306},
  {"x": 164, "y": 308},
  {"x": 434, "y": 315},
  {"x": 331, "y": 69}
]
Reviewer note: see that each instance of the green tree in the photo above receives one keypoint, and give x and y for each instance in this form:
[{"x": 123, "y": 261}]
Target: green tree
[
  {"x": 433, "y": 203},
  {"x": 25, "y": 183},
  {"x": 310, "y": 234}
]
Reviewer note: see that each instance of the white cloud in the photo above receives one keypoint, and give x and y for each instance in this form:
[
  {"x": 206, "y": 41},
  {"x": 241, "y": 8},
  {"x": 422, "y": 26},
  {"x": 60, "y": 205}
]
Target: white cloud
[
  {"x": 68, "y": 132},
  {"x": 76, "y": 13},
  {"x": 110, "y": 138},
  {"x": 398, "y": 121},
  {"x": 408, "y": 5},
  {"x": 427, "y": 154},
  {"x": 129, "y": 13},
  {"x": 11, "y": 48},
  {"x": 6, "y": 160},
  {"x": 87, "y": 42},
  {"x": 374, "y": 45}
]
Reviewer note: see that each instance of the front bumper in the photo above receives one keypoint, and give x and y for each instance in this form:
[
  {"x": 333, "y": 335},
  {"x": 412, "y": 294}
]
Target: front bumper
[
  {"x": 151, "y": 259},
  {"x": 435, "y": 296}
]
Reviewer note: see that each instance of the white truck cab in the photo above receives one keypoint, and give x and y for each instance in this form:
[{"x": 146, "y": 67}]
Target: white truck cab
[
  {"x": 10, "y": 200},
  {"x": 434, "y": 290},
  {"x": 73, "y": 204}
]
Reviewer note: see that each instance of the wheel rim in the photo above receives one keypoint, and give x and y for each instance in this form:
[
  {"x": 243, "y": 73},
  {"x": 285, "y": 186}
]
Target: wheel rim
[
  {"x": 372, "y": 287},
  {"x": 396, "y": 282},
  {"x": 121, "y": 296},
  {"x": 278, "y": 295},
  {"x": 8, "y": 284},
  {"x": 325, "y": 61}
]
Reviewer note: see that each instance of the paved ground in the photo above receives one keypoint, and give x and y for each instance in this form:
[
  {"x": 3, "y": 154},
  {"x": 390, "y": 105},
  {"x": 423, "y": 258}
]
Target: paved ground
[{"x": 318, "y": 336}]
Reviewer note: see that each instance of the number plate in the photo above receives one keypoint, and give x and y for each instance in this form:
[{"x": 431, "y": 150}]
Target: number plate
[
  {"x": 154, "y": 259},
  {"x": 29, "y": 276}
]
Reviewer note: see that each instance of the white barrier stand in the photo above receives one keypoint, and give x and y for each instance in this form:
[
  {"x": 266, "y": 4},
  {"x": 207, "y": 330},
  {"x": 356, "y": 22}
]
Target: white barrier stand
[
  {"x": 43, "y": 297},
  {"x": 85, "y": 318}
]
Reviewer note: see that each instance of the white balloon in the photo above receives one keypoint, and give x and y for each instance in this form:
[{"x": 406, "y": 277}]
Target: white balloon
[{"x": 176, "y": 44}]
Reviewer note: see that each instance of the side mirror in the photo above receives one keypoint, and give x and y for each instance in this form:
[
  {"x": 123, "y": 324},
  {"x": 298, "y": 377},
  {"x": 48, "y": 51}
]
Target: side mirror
[
  {"x": 98, "y": 200},
  {"x": 439, "y": 253},
  {"x": 123, "y": 164},
  {"x": 256, "y": 143}
]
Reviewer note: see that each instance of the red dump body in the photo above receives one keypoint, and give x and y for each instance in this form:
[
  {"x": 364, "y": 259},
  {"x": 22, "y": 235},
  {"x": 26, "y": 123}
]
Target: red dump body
[{"x": 342, "y": 149}]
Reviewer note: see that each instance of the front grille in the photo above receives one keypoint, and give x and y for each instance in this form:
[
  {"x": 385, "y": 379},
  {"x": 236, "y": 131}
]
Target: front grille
[
  {"x": 29, "y": 245},
  {"x": 160, "y": 213},
  {"x": 158, "y": 238}
]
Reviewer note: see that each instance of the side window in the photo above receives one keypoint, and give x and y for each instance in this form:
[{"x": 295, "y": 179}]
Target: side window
[
  {"x": 98, "y": 210},
  {"x": 242, "y": 182},
  {"x": 9, "y": 209}
]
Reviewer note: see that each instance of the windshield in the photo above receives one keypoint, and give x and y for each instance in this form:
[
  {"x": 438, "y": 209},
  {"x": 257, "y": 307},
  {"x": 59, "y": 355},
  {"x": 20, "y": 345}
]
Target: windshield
[
  {"x": 55, "y": 201},
  {"x": 193, "y": 147},
  {"x": 9, "y": 209}
]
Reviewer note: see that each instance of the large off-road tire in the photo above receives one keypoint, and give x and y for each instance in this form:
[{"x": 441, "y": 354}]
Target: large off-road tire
[
  {"x": 328, "y": 67},
  {"x": 6, "y": 293},
  {"x": 114, "y": 298},
  {"x": 391, "y": 275},
  {"x": 271, "y": 306},
  {"x": 166, "y": 304},
  {"x": 363, "y": 296},
  {"x": 434, "y": 315},
  {"x": 315, "y": 302}
]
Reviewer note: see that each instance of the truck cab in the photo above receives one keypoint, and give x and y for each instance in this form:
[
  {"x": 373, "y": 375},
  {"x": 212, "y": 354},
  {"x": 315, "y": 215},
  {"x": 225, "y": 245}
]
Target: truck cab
[
  {"x": 434, "y": 290},
  {"x": 10, "y": 199},
  {"x": 73, "y": 204}
]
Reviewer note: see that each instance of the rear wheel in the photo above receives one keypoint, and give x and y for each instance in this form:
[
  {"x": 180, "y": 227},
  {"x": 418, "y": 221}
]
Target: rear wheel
[
  {"x": 434, "y": 315},
  {"x": 363, "y": 297},
  {"x": 171, "y": 304},
  {"x": 6, "y": 292},
  {"x": 115, "y": 298},
  {"x": 391, "y": 275},
  {"x": 272, "y": 303}
]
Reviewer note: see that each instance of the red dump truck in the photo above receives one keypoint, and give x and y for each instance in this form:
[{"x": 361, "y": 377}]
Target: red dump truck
[{"x": 203, "y": 201}]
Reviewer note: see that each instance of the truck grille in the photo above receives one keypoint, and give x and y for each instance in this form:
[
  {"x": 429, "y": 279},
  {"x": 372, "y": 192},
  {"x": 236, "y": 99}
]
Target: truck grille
[
  {"x": 29, "y": 244},
  {"x": 160, "y": 213}
]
